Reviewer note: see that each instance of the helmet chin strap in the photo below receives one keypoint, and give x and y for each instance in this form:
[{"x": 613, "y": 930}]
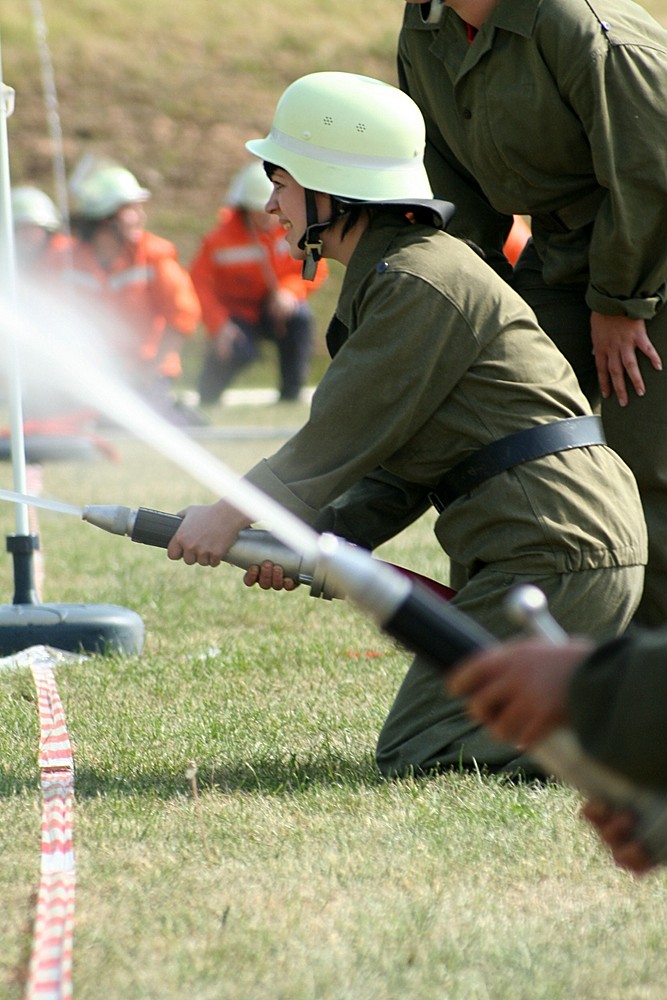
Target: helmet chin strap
[{"x": 310, "y": 242}]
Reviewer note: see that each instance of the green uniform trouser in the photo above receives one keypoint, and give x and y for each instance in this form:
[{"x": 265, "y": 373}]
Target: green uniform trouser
[
  {"x": 637, "y": 432},
  {"x": 426, "y": 730}
]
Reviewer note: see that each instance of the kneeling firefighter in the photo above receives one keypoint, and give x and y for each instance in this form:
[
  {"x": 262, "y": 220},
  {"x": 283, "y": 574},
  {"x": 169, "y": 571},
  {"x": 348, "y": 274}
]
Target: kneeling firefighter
[{"x": 443, "y": 397}]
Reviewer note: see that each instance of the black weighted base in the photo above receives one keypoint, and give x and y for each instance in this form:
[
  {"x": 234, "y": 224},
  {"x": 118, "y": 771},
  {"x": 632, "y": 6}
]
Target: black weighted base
[{"x": 94, "y": 628}]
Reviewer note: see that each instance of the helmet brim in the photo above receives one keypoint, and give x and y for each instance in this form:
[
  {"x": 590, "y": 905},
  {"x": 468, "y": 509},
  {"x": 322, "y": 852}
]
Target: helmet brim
[{"x": 362, "y": 178}]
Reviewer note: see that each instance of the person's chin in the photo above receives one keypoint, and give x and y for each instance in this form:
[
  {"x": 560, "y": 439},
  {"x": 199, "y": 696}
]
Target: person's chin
[{"x": 296, "y": 253}]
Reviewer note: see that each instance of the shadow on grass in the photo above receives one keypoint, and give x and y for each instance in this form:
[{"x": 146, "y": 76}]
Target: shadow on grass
[{"x": 265, "y": 775}]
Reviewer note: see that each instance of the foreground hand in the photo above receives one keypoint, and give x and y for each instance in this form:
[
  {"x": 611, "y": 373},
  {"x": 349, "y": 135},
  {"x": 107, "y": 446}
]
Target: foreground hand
[
  {"x": 616, "y": 828},
  {"x": 206, "y": 533},
  {"x": 268, "y": 576},
  {"x": 616, "y": 340},
  {"x": 519, "y": 689}
]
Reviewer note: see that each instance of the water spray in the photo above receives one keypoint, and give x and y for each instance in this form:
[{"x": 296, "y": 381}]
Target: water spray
[{"x": 27, "y": 622}]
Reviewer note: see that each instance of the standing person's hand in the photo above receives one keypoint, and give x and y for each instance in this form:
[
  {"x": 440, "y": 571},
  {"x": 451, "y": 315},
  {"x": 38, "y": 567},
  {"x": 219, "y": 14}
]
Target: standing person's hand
[{"x": 616, "y": 340}]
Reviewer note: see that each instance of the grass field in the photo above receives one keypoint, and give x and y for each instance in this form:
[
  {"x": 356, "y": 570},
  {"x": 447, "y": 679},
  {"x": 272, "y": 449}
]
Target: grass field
[
  {"x": 295, "y": 872},
  {"x": 285, "y": 870}
]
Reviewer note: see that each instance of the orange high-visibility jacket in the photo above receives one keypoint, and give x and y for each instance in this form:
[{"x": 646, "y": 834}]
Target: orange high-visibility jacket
[
  {"x": 236, "y": 267},
  {"x": 144, "y": 292}
]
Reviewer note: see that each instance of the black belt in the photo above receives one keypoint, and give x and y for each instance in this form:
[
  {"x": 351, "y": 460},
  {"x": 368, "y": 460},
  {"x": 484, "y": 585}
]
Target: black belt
[{"x": 515, "y": 449}]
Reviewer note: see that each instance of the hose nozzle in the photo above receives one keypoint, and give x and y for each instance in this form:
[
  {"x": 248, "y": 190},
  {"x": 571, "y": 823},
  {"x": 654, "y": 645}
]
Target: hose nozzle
[
  {"x": 253, "y": 546},
  {"x": 110, "y": 517}
]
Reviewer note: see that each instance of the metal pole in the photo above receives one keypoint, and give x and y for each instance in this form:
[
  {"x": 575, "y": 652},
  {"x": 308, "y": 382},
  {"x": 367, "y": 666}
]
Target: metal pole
[{"x": 8, "y": 286}]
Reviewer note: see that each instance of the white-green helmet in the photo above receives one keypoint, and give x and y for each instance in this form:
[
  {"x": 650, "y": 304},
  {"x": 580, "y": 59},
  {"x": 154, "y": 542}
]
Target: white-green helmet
[
  {"x": 349, "y": 136},
  {"x": 100, "y": 195},
  {"x": 33, "y": 207},
  {"x": 250, "y": 188}
]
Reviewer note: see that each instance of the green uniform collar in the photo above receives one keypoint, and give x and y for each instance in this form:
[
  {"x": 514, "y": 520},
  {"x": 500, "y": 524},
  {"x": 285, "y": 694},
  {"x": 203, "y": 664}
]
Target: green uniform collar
[{"x": 518, "y": 16}]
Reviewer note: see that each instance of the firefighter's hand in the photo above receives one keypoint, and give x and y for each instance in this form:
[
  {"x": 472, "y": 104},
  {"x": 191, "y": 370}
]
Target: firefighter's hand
[
  {"x": 269, "y": 576},
  {"x": 616, "y": 828},
  {"x": 519, "y": 689},
  {"x": 616, "y": 340},
  {"x": 223, "y": 343},
  {"x": 206, "y": 533}
]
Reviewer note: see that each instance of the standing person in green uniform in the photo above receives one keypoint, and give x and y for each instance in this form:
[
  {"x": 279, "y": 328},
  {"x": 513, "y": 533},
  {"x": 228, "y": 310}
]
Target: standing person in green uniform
[
  {"x": 429, "y": 371},
  {"x": 613, "y": 694},
  {"x": 555, "y": 109}
]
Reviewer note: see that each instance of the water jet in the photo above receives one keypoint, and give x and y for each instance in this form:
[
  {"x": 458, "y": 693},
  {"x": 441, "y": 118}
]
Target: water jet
[{"x": 27, "y": 622}]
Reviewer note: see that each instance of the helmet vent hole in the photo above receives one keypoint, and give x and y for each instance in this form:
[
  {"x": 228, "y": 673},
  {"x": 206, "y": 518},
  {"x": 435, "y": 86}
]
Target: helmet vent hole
[
  {"x": 361, "y": 127},
  {"x": 328, "y": 120}
]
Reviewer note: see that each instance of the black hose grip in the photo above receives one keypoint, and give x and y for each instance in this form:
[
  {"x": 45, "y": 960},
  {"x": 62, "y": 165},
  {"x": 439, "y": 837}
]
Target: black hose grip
[
  {"x": 154, "y": 527},
  {"x": 436, "y": 630}
]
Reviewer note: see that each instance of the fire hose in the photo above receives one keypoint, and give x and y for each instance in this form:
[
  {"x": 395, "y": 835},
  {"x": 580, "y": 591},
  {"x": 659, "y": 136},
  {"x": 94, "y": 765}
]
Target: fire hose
[
  {"x": 406, "y": 608},
  {"x": 253, "y": 546}
]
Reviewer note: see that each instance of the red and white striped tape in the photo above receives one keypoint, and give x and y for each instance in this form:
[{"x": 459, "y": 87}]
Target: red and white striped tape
[{"x": 50, "y": 975}]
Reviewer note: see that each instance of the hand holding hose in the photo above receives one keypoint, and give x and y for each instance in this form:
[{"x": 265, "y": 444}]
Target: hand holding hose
[
  {"x": 206, "y": 533},
  {"x": 518, "y": 689},
  {"x": 269, "y": 576}
]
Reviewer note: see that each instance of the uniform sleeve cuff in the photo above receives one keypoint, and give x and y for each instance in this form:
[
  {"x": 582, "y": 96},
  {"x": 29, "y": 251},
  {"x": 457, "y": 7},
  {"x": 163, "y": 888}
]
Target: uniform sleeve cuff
[
  {"x": 634, "y": 308},
  {"x": 263, "y": 477}
]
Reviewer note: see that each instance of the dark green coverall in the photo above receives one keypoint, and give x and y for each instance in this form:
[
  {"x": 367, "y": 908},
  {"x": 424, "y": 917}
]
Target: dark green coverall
[
  {"x": 432, "y": 365},
  {"x": 618, "y": 705},
  {"x": 557, "y": 110}
]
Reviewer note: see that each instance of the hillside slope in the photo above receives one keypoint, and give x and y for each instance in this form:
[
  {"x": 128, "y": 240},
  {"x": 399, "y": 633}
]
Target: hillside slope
[{"x": 173, "y": 91}]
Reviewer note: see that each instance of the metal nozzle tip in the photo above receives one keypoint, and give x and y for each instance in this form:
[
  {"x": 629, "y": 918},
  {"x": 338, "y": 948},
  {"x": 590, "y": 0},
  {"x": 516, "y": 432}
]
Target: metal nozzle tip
[{"x": 113, "y": 518}]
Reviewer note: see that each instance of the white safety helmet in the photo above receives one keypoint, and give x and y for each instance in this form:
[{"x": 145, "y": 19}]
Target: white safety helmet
[
  {"x": 354, "y": 138},
  {"x": 250, "y": 188},
  {"x": 101, "y": 194},
  {"x": 33, "y": 207},
  {"x": 350, "y": 136}
]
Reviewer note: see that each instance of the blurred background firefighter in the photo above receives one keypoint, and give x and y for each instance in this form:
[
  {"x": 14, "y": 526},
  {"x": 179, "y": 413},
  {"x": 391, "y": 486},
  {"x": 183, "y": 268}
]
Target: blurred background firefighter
[
  {"x": 145, "y": 302},
  {"x": 250, "y": 290},
  {"x": 37, "y": 229}
]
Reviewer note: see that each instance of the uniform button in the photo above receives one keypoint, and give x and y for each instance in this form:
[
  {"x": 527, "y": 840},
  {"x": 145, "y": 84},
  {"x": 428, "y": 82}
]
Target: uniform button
[
  {"x": 467, "y": 114},
  {"x": 381, "y": 267}
]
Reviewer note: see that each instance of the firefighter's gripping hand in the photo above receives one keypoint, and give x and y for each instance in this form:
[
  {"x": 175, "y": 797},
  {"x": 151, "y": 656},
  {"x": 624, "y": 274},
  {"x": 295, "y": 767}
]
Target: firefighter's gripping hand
[
  {"x": 206, "y": 533},
  {"x": 519, "y": 689},
  {"x": 616, "y": 343},
  {"x": 617, "y": 828},
  {"x": 268, "y": 576}
]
